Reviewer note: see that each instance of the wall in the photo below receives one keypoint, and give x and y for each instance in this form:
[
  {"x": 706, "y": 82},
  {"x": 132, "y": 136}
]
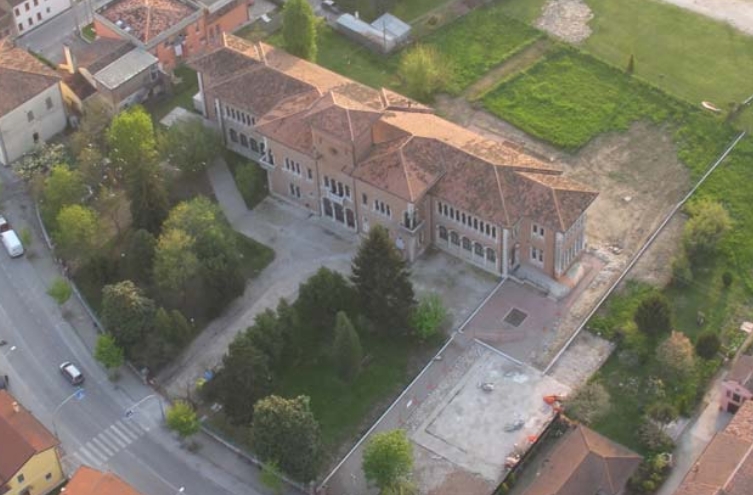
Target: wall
[
  {"x": 728, "y": 389},
  {"x": 18, "y": 132},
  {"x": 132, "y": 91},
  {"x": 33, "y": 13},
  {"x": 35, "y": 474},
  {"x": 305, "y": 192}
]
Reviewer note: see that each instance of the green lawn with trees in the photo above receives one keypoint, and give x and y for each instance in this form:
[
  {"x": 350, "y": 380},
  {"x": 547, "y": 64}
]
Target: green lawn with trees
[{"x": 343, "y": 344}]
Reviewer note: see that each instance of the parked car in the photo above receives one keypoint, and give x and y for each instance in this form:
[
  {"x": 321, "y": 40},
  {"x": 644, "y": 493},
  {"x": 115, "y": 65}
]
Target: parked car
[
  {"x": 12, "y": 243},
  {"x": 72, "y": 373}
]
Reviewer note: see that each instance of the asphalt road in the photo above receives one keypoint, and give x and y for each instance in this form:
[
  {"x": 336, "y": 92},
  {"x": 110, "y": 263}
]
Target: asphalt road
[
  {"x": 49, "y": 37},
  {"x": 94, "y": 429}
]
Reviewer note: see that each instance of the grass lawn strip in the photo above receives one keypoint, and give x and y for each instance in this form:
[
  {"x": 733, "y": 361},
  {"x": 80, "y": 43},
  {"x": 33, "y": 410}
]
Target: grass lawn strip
[
  {"x": 686, "y": 54},
  {"x": 181, "y": 94}
]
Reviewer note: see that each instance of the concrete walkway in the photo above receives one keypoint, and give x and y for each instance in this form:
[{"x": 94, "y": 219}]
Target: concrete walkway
[
  {"x": 302, "y": 245},
  {"x": 695, "y": 438}
]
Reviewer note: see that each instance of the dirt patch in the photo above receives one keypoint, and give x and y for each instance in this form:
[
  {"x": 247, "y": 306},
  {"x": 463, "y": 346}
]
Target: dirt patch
[
  {"x": 655, "y": 266},
  {"x": 639, "y": 179},
  {"x": 566, "y": 20}
]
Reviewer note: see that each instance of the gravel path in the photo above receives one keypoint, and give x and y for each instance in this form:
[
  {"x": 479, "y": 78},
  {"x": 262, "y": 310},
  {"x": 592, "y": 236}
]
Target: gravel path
[{"x": 738, "y": 13}]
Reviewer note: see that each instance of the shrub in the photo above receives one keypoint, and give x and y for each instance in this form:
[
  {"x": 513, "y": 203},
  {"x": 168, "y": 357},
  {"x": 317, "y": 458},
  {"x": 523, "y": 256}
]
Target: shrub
[
  {"x": 708, "y": 345},
  {"x": 727, "y": 279},
  {"x": 653, "y": 315},
  {"x": 589, "y": 403},
  {"x": 60, "y": 290},
  {"x": 682, "y": 275},
  {"x": 422, "y": 71},
  {"x": 428, "y": 317},
  {"x": 653, "y": 437},
  {"x": 662, "y": 412},
  {"x": 676, "y": 357},
  {"x": 708, "y": 223}
]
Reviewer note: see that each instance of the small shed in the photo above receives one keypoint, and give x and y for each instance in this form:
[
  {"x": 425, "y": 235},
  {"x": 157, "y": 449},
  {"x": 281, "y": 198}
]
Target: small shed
[{"x": 383, "y": 35}]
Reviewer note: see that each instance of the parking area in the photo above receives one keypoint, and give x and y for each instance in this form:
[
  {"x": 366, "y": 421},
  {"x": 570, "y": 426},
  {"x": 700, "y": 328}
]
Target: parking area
[{"x": 494, "y": 411}]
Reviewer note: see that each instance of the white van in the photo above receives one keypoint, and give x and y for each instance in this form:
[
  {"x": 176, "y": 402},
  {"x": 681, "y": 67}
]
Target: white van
[{"x": 12, "y": 243}]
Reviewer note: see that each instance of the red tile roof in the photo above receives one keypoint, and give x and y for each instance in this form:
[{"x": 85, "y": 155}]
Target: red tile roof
[
  {"x": 21, "y": 436},
  {"x": 22, "y": 77},
  {"x": 146, "y": 19},
  {"x": 89, "y": 481},
  {"x": 584, "y": 462},
  {"x": 413, "y": 150}
]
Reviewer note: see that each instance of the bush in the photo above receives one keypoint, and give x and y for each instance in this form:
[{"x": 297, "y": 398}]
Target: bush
[
  {"x": 708, "y": 223},
  {"x": 662, "y": 412},
  {"x": 708, "y": 345},
  {"x": 653, "y": 315},
  {"x": 251, "y": 180},
  {"x": 653, "y": 437},
  {"x": 727, "y": 279},
  {"x": 682, "y": 275},
  {"x": 429, "y": 317},
  {"x": 60, "y": 290},
  {"x": 676, "y": 357},
  {"x": 589, "y": 403}
]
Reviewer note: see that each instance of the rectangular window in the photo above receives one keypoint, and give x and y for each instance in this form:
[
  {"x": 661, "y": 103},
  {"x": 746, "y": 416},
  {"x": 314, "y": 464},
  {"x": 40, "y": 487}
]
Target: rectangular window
[
  {"x": 18, "y": 12},
  {"x": 48, "y": 102},
  {"x": 364, "y": 199},
  {"x": 452, "y": 212},
  {"x": 389, "y": 213},
  {"x": 310, "y": 174},
  {"x": 30, "y": 115},
  {"x": 347, "y": 191},
  {"x": 494, "y": 232},
  {"x": 475, "y": 223},
  {"x": 444, "y": 209},
  {"x": 463, "y": 217},
  {"x": 27, "y": 6},
  {"x": 29, "y": 22},
  {"x": 233, "y": 136},
  {"x": 36, "y": 3},
  {"x": 326, "y": 181},
  {"x": 736, "y": 397},
  {"x": 439, "y": 208},
  {"x": 20, "y": 27},
  {"x": 20, "y": 478},
  {"x": 48, "y": 476},
  {"x": 291, "y": 187}
]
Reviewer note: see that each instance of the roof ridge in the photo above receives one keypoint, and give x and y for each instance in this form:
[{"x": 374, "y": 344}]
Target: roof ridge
[
  {"x": 405, "y": 171},
  {"x": 559, "y": 212},
  {"x": 501, "y": 195}
]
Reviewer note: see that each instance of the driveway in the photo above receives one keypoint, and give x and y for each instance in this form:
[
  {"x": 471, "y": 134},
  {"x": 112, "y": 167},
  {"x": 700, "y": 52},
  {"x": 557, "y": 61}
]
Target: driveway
[{"x": 302, "y": 245}]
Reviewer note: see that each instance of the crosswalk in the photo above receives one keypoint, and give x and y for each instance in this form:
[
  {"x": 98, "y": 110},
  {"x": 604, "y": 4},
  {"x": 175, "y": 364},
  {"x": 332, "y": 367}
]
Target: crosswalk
[{"x": 99, "y": 449}]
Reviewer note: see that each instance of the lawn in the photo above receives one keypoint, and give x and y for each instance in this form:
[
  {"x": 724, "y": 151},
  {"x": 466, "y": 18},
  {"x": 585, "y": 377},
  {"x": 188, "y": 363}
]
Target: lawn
[
  {"x": 181, "y": 94},
  {"x": 569, "y": 98},
  {"x": 250, "y": 178},
  {"x": 255, "y": 256},
  {"x": 524, "y": 10},
  {"x": 339, "y": 54},
  {"x": 341, "y": 408},
  {"x": 685, "y": 54},
  {"x": 466, "y": 48},
  {"x": 723, "y": 308},
  {"x": 410, "y": 10}
]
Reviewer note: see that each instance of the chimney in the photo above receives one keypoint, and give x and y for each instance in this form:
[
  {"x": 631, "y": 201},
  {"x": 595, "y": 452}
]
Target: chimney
[
  {"x": 70, "y": 59},
  {"x": 16, "y": 407}
]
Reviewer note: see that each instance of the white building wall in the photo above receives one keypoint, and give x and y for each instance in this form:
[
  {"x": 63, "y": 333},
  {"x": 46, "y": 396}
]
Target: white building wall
[
  {"x": 31, "y": 13},
  {"x": 17, "y": 131}
]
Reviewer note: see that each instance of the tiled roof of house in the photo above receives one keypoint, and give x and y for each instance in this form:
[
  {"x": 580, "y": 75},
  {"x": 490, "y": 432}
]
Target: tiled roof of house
[
  {"x": 22, "y": 77},
  {"x": 726, "y": 465},
  {"x": 742, "y": 371},
  {"x": 414, "y": 150},
  {"x": 146, "y": 19},
  {"x": 584, "y": 462},
  {"x": 89, "y": 481},
  {"x": 21, "y": 436},
  {"x": 99, "y": 53}
]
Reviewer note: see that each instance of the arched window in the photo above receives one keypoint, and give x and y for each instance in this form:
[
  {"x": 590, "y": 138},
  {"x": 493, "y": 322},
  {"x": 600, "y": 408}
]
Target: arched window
[
  {"x": 491, "y": 255},
  {"x": 442, "y": 233},
  {"x": 478, "y": 249},
  {"x": 466, "y": 244},
  {"x": 455, "y": 238}
]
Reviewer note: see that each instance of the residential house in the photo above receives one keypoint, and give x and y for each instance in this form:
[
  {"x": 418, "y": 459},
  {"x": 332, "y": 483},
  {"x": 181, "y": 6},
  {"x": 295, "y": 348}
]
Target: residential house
[
  {"x": 361, "y": 157},
  {"x": 737, "y": 386},
  {"x": 171, "y": 30},
  {"x": 31, "y": 107},
  {"x": 725, "y": 467},
  {"x": 20, "y": 16},
  {"x": 89, "y": 481},
  {"x": 29, "y": 461},
  {"x": 116, "y": 71}
]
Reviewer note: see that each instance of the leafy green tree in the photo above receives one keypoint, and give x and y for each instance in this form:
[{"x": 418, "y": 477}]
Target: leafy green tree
[
  {"x": 172, "y": 327},
  {"x": 127, "y": 314},
  {"x": 190, "y": 145},
  {"x": 285, "y": 431},
  {"x": 429, "y": 317},
  {"x": 589, "y": 403},
  {"x": 299, "y": 29},
  {"x": 346, "y": 349},
  {"x": 92, "y": 166},
  {"x": 708, "y": 223},
  {"x": 266, "y": 335},
  {"x": 195, "y": 216},
  {"x": 76, "y": 233},
  {"x": 131, "y": 139},
  {"x": 108, "y": 352},
  {"x": 62, "y": 187},
  {"x": 653, "y": 315},
  {"x": 319, "y": 300},
  {"x": 676, "y": 357},
  {"x": 653, "y": 437},
  {"x": 110, "y": 205},
  {"x": 388, "y": 459},
  {"x": 146, "y": 190},
  {"x": 421, "y": 70},
  {"x": 662, "y": 412},
  {"x": 139, "y": 260},
  {"x": 60, "y": 290},
  {"x": 175, "y": 264},
  {"x": 244, "y": 378},
  {"x": 382, "y": 281},
  {"x": 708, "y": 344},
  {"x": 220, "y": 265},
  {"x": 292, "y": 331},
  {"x": 182, "y": 419}
]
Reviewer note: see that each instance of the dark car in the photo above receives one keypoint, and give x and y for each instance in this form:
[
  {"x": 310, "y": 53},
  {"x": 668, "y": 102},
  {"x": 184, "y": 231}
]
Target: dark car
[
  {"x": 3, "y": 382},
  {"x": 72, "y": 373}
]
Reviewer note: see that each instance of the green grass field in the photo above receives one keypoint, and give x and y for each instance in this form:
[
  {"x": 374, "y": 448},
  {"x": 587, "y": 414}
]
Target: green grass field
[
  {"x": 686, "y": 54},
  {"x": 182, "y": 94},
  {"x": 410, "y": 10},
  {"x": 466, "y": 48},
  {"x": 523, "y": 10}
]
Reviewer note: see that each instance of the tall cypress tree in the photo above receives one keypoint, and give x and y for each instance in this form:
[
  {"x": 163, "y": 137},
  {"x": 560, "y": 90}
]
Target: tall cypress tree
[
  {"x": 299, "y": 29},
  {"x": 346, "y": 348},
  {"x": 382, "y": 281}
]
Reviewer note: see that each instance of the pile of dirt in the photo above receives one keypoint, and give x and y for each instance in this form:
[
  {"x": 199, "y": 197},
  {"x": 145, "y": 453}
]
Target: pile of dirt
[{"x": 566, "y": 20}]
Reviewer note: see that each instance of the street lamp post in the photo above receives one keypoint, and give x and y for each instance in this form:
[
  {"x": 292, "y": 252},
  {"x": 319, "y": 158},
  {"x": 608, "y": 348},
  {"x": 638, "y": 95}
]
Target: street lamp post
[
  {"x": 12, "y": 348},
  {"x": 78, "y": 393}
]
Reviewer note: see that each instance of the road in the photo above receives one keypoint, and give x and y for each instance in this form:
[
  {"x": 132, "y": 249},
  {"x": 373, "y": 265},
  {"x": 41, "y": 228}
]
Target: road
[
  {"x": 47, "y": 40},
  {"x": 93, "y": 430}
]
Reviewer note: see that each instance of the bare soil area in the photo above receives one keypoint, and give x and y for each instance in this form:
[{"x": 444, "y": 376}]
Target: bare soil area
[
  {"x": 566, "y": 20},
  {"x": 737, "y": 13}
]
